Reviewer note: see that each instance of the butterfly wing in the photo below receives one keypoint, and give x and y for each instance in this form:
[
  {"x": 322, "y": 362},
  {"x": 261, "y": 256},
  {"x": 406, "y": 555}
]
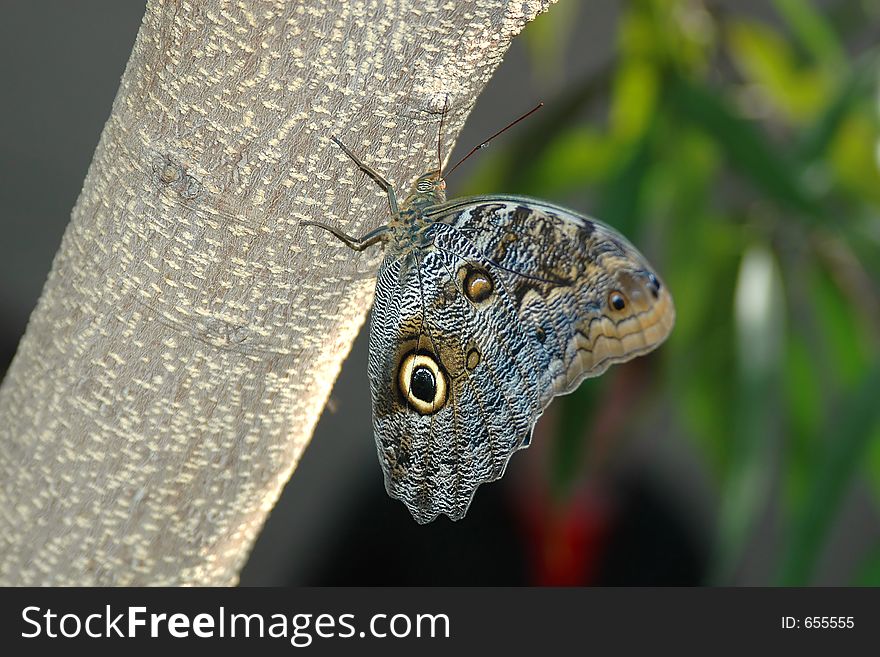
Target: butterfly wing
[
  {"x": 439, "y": 439},
  {"x": 577, "y": 282},
  {"x": 499, "y": 305}
]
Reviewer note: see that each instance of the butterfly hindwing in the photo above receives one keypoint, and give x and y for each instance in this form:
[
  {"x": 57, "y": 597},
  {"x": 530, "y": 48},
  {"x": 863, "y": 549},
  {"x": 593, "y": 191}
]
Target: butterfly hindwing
[
  {"x": 502, "y": 302},
  {"x": 434, "y": 455}
]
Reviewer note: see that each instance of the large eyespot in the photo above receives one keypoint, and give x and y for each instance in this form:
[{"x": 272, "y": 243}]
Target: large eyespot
[
  {"x": 478, "y": 285},
  {"x": 422, "y": 382},
  {"x": 616, "y": 300}
]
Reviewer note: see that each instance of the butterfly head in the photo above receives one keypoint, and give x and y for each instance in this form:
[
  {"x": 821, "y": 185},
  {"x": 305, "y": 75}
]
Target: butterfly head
[{"x": 429, "y": 189}]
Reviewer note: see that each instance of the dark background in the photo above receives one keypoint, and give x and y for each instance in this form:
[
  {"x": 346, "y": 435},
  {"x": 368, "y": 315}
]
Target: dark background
[{"x": 649, "y": 516}]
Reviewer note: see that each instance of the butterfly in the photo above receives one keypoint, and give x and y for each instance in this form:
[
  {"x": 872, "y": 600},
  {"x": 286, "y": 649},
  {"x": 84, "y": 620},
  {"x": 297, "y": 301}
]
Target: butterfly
[{"x": 486, "y": 308}]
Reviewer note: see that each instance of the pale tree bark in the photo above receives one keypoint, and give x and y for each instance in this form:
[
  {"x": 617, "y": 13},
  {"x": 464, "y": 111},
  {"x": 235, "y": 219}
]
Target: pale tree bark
[{"x": 190, "y": 330}]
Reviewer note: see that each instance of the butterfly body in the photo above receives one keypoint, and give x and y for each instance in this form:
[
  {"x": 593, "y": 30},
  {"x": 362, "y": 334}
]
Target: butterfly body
[{"x": 485, "y": 309}]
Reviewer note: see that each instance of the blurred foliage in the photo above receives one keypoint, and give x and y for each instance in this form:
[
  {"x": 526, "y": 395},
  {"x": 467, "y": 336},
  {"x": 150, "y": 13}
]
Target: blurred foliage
[{"x": 740, "y": 152}]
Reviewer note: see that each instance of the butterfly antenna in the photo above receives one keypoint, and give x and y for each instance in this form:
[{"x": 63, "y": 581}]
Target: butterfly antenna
[
  {"x": 440, "y": 135},
  {"x": 486, "y": 142}
]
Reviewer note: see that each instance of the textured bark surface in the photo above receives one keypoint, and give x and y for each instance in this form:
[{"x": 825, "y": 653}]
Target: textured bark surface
[{"x": 190, "y": 330}]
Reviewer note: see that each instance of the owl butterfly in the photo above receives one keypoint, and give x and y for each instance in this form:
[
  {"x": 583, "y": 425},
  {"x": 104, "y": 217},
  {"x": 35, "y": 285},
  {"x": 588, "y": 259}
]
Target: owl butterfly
[{"x": 486, "y": 308}]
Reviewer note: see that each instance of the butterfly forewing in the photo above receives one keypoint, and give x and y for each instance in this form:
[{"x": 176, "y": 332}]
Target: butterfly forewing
[{"x": 604, "y": 301}]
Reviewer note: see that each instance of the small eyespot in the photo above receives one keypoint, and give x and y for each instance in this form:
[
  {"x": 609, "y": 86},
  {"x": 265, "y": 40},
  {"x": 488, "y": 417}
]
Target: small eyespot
[
  {"x": 654, "y": 282},
  {"x": 422, "y": 383},
  {"x": 473, "y": 359},
  {"x": 478, "y": 285},
  {"x": 616, "y": 300}
]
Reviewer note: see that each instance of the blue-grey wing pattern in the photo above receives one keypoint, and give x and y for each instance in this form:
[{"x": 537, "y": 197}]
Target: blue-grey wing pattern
[
  {"x": 587, "y": 296},
  {"x": 435, "y": 455},
  {"x": 498, "y": 305}
]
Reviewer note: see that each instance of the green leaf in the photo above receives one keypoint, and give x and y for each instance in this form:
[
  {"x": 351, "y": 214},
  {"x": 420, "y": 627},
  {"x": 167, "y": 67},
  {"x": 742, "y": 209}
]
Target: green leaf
[
  {"x": 868, "y": 573},
  {"x": 746, "y": 148},
  {"x": 842, "y": 349},
  {"x": 805, "y": 412},
  {"x": 698, "y": 252},
  {"x": 577, "y": 157},
  {"x": 760, "y": 334},
  {"x": 766, "y": 58},
  {"x": 873, "y": 462},
  {"x": 516, "y": 166},
  {"x": 621, "y": 196},
  {"x": 815, "y": 139},
  {"x": 854, "y": 155},
  {"x": 812, "y": 31},
  {"x": 577, "y": 411},
  {"x": 849, "y": 434},
  {"x": 634, "y": 98}
]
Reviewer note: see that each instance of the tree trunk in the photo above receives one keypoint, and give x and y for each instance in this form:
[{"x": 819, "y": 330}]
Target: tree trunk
[{"x": 190, "y": 330}]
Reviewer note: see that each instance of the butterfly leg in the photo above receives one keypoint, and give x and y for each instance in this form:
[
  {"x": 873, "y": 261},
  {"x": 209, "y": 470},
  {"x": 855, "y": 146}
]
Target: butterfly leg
[
  {"x": 354, "y": 243},
  {"x": 375, "y": 175}
]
